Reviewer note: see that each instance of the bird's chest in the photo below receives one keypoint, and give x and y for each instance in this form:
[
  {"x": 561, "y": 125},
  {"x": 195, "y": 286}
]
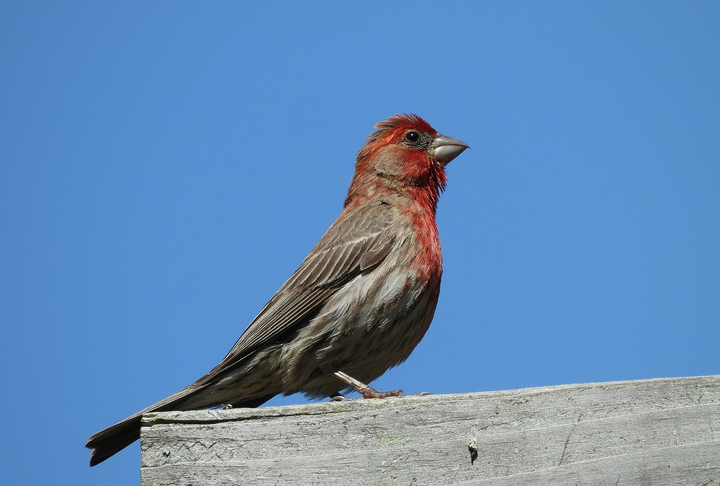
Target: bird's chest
[{"x": 424, "y": 252}]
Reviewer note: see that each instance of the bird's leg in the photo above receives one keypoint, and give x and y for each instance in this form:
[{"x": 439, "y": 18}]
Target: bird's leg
[{"x": 365, "y": 390}]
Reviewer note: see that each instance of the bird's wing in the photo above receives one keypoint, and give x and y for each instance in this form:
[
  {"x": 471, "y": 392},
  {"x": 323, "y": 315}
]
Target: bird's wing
[{"x": 355, "y": 243}]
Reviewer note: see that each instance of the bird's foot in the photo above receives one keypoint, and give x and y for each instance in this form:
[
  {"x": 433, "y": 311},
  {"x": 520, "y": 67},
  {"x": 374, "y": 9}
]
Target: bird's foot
[
  {"x": 370, "y": 392},
  {"x": 365, "y": 390}
]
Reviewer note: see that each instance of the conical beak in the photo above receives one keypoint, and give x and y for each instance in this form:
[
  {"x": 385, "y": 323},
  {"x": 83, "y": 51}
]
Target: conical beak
[{"x": 445, "y": 149}]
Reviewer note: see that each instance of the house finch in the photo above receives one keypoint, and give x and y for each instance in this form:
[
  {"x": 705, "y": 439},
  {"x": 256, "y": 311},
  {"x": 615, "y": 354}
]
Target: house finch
[{"x": 360, "y": 301}]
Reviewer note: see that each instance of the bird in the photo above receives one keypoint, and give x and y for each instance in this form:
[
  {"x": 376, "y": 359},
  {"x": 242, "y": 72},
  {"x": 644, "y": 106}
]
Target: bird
[{"x": 358, "y": 304}]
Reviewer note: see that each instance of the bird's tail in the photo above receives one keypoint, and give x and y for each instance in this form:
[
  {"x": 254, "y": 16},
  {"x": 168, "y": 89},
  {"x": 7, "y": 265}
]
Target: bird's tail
[
  {"x": 115, "y": 438},
  {"x": 112, "y": 440}
]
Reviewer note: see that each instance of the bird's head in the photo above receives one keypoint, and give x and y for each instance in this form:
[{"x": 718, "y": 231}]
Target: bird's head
[{"x": 404, "y": 152}]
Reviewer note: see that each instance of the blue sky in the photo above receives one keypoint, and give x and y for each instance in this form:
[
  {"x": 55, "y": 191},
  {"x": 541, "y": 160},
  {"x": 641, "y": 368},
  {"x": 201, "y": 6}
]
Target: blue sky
[{"x": 167, "y": 165}]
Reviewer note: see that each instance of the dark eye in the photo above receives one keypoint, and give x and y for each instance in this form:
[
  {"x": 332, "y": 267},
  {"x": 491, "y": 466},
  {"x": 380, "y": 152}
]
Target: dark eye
[{"x": 412, "y": 136}]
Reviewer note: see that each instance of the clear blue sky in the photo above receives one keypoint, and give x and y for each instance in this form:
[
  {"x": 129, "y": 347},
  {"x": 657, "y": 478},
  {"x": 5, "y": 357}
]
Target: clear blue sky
[{"x": 167, "y": 165}]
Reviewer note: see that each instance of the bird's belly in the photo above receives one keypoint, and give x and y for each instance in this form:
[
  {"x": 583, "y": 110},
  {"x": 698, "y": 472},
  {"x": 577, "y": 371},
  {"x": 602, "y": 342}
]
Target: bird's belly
[{"x": 369, "y": 326}]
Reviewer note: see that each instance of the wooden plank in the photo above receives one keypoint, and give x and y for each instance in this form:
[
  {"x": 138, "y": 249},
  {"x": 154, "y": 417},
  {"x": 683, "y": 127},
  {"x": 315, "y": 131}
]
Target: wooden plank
[{"x": 663, "y": 431}]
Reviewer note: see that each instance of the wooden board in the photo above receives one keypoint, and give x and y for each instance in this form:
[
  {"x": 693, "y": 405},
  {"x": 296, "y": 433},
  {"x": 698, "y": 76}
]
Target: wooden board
[{"x": 659, "y": 432}]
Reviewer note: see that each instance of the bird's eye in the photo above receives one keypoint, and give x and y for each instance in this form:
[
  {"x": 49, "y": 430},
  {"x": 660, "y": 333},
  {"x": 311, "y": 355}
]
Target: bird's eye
[{"x": 412, "y": 136}]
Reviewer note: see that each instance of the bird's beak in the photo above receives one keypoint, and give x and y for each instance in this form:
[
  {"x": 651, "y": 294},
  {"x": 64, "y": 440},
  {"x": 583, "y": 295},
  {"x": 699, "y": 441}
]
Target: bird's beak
[{"x": 445, "y": 149}]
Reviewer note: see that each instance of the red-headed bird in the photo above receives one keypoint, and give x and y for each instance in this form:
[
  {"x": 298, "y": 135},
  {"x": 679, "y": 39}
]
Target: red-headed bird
[{"x": 360, "y": 301}]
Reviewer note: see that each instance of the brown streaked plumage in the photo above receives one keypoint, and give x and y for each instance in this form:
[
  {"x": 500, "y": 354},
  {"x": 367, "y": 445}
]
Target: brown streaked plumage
[{"x": 359, "y": 303}]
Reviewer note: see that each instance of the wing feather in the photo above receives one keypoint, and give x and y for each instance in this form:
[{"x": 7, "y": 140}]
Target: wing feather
[{"x": 355, "y": 243}]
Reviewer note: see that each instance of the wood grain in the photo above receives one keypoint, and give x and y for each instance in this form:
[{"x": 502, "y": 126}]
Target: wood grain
[{"x": 659, "y": 432}]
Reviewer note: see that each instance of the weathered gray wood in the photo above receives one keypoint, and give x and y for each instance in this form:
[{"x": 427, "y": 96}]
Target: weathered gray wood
[{"x": 658, "y": 432}]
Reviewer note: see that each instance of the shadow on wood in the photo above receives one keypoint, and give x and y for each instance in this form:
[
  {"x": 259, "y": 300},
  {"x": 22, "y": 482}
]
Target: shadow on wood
[{"x": 660, "y": 432}]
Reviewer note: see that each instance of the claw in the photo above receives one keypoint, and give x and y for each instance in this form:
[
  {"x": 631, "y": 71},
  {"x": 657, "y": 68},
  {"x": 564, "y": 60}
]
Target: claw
[{"x": 370, "y": 392}]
